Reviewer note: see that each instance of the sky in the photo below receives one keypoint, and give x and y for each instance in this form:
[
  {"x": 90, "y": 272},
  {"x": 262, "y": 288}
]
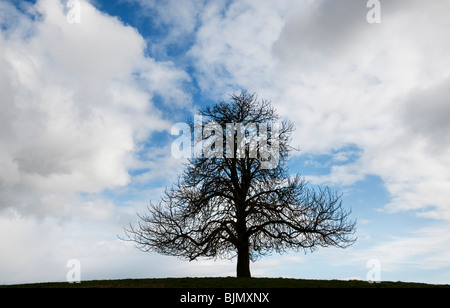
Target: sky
[{"x": 89, "y": 91}]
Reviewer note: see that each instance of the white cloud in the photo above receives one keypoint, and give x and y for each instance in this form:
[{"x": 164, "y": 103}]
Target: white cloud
[
  {"x": 425, "y": 248},
  {"x": 173, "y": 24},
  {"x": 76, "y": 101},
  {"x": 76, "y": 107},
  {"x": 379, "y": 87},
  {"x": 425, "y": 114},
  {"x": 38, "y": 251},
  {"x": 179, "y": 17},
  {"x": 233, "y": 45}
]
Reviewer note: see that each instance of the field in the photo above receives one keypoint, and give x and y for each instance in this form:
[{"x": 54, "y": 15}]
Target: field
[{"x": 226, "y": 282}]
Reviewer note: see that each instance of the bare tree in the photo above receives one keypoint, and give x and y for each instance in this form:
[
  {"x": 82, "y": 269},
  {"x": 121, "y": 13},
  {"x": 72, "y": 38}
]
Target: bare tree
[{"x": 233, "y": 204}]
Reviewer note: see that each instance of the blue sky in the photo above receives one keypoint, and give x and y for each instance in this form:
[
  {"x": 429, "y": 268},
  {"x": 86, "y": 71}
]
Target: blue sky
[{"x": 86, "y": 111}]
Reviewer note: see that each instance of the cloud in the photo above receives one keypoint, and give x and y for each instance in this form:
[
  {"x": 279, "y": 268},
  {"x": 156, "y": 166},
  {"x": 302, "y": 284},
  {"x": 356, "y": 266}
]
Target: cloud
[
  {"x": 426, "y": 112},
  {"x": 173, "y": 24},
  {"x": 232, "y": 47},
  {"x": 317, "y": 34},
  {"x": 181, "y": 17},
  {"x": 425, "y": 248},
  {"x": 76, "y": 115},
  {"x": 76, "y": 102},
  {"x": 344, "y": 83},
  {"x": 378, "y": 87},
  {"x": 38, "y": 251}
]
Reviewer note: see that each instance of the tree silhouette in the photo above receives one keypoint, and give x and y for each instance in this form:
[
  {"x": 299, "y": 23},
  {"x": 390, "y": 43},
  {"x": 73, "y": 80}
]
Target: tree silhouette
[{"x": 235, "y": 197}]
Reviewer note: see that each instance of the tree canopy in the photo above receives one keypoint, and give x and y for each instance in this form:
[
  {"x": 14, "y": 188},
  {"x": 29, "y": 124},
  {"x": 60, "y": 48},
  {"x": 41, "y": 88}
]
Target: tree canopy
[{"x": 235, "y": 196}]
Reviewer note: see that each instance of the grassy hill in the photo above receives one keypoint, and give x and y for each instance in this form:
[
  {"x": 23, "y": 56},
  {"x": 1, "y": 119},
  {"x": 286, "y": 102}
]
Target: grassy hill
[{"x": 226, "y": 282}]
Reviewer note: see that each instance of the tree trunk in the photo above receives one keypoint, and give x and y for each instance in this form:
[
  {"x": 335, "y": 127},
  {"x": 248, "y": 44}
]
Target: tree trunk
[
  {"x": 243, "y": 257},
  {"x": 243, "y": 262}
]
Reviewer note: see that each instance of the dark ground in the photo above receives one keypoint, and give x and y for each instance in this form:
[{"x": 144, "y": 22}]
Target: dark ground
[{"x": 225, "y": 282}]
